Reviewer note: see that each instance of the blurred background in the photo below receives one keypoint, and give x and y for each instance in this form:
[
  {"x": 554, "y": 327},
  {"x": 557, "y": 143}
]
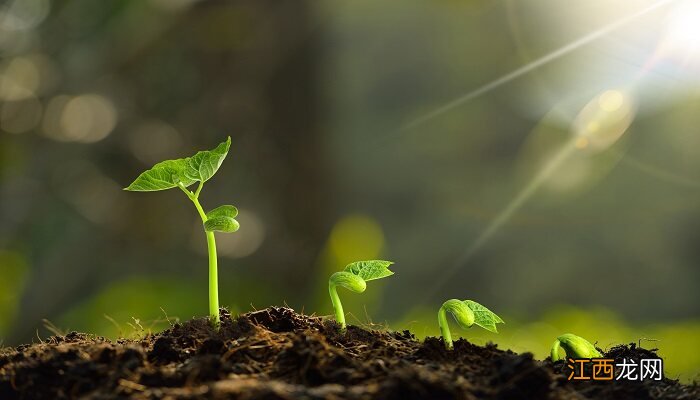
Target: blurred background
[{"x": 538, "y": 156}]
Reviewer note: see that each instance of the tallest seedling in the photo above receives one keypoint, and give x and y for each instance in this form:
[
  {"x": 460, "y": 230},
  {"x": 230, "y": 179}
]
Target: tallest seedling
[{"x": 183, "y": 173}]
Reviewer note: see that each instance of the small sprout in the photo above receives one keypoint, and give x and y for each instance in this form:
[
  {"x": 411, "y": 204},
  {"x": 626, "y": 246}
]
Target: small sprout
[
  {"x": 182, "y": 173},
  {"x": 354, "y": 278},
  {"x": 574, "y": 346},
  {"x": 466, "y": 313}
]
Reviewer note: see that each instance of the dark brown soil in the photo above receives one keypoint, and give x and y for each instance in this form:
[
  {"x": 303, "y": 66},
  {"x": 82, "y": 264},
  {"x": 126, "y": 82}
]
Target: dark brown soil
[{"x": 278, "y": 354}]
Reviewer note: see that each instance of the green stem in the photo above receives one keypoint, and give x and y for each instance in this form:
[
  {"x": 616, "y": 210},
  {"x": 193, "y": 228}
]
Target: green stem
[
  {"x": 213, "y": 269},
  {"x": 337, "y": 306},
  {"x": 213, "y": 281},
  {"x": 200, "y": 210},
  {"x": 444, "y": 328},
  {"x": 199, "y": 189}
]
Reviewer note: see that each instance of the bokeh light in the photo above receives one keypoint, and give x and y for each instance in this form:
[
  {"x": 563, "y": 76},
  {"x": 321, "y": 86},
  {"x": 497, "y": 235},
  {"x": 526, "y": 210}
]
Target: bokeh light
[
  {"x": 21, "y": 15},
  {"x": 154, "y": 140},
  {"x": 85, "y": 118},
  {"x": 19, "y": 79},
  {"x": 603, "y": 121},
  {"x": 355, "y": 236}
]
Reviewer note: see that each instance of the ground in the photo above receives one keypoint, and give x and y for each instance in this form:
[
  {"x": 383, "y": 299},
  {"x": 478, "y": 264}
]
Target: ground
[{"x": 276, "y": 353}]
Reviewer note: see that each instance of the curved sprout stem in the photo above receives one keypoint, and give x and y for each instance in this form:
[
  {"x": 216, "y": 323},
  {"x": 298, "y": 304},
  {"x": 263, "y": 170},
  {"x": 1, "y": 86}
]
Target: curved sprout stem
[
  {"x": 461, "y": 313},
  {"x": 445, "y": 328},
  {"x": 337, "y": 305},
  {"x": 349, "y": 281}
]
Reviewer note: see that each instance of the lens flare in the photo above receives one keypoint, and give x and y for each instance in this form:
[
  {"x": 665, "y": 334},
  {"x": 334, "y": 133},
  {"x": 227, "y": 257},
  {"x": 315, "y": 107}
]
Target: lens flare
[{"x": 603, "y": 121}]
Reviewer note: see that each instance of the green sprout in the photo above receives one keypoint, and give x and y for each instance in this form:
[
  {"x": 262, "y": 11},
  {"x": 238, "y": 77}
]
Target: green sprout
[
  {"x": 182, "y": 173},
  {"x": 574, "y": 346},
  {"x": 354, "y": 278},
  {"x": 466, "y": 313}
]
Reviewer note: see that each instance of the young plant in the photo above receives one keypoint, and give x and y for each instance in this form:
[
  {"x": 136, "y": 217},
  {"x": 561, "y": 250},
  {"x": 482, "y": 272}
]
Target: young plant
[
  {"x": 574, "y": 346},
  {"x": 183, "y": 173},
  {"x": 354, "y": 278},
  {"x": 466, "y": 313}
]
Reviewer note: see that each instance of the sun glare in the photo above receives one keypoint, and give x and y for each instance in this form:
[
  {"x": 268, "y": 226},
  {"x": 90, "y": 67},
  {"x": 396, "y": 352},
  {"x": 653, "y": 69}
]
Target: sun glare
[{"x": 683, "y": 30}]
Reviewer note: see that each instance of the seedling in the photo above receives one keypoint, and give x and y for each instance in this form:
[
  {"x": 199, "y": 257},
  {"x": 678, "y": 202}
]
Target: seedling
[
  {"x": 354, "y": 278},
  {"x": 574, "y": 346},
  {"x": 183, "y": 173},
  {"x": 466, "y": 313}
]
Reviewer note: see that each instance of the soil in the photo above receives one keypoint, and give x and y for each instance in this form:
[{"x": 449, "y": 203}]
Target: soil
[{"x": 276, "y": 353}]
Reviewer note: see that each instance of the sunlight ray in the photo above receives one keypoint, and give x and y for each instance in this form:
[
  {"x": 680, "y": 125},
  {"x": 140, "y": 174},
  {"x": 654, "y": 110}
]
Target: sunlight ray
[
  {"x": 661, "y": 174},
  {"x": 566, "y": 49},
  {"x": 511, "y": 208}
]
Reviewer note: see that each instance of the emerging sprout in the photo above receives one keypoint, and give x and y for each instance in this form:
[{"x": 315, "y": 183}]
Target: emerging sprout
[
  {"x": 182, "y": 173},
  {"x": 354, "y": 278},
  {"x": 574, "y": 346},
  {"x": 466, "y": 313}
]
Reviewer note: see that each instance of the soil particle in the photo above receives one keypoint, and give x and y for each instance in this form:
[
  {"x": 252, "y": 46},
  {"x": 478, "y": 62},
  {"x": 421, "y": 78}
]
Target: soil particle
[{"x": 276, "y": 353}]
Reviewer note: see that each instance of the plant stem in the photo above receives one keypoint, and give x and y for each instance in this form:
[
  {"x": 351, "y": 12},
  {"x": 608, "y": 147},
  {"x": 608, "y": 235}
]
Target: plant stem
[
  {"x": 444, "y": 328},
  {"x": 213, "y": 282},
  {"x": 213, "y": 268},
  {"x": 337, "y": 306}
]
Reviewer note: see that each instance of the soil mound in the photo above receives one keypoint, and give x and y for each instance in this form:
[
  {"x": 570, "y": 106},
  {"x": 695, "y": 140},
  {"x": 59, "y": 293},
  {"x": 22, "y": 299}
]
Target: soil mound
[{"x": 276, "y": 353}]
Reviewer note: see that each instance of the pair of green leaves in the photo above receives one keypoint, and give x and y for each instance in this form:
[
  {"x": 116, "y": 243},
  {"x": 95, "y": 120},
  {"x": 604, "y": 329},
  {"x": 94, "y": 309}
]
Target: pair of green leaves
[
  {"x": 221, "y": 219},
  {"x": 355, "y": 275},
  {"x": 186, "y": 171},
  {"x": 468, "y": 313}
]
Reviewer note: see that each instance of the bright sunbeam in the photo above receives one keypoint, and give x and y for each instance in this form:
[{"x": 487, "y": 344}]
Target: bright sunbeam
[
  {"x": 558, "y": 53},
  {"x": 596, "y": 128},
  {"x": 683, "y": 31},
  {"x": 511, "y": 208}
]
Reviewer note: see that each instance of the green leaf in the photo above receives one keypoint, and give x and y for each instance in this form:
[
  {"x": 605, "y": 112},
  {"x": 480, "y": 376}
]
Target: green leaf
[
  {"x": 484, "y": 317},
  {"x": 203, "y": 165},
  {"x": 162, "y": 176},
  {"x": 371, "y": 269},
  {"x": 221, "y": 224},
  {"x": 167, "y": 174},
  {"x": 223, "y": 211}
]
